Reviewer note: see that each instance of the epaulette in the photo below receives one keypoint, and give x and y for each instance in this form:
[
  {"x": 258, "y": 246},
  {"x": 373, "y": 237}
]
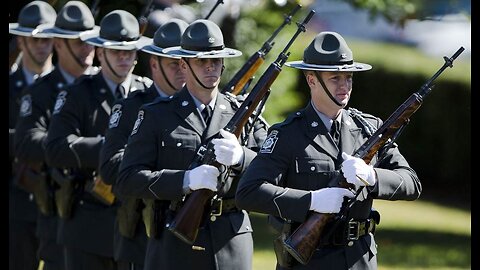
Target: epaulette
[
  {"x": 369, "y": 128},
  {"x": 83, "y": 78},
  {"x": 137, "y": 92},
  {"x": 160, "y": 99},
  {"x": 290, "y": 118},
  {"x": 145, "y": 80}
]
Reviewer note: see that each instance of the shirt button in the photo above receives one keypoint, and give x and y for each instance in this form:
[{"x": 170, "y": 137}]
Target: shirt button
[
  {"x": 213, "y": 218},
  {"x": 179, "y": 144},
  {"x": 81, "y": 202},
  {"x": 30, "y": 197},
  {"x": 350, "y": 243},
  {"x": 312, "y": 168}
]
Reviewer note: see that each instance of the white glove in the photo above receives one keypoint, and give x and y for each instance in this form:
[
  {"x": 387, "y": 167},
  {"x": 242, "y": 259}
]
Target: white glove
[
  {"x": 203, "y": 176},
  {"x": 228, "y": 150},
  {"x": 357, "y": 172},
  {"x": 329, "y": 200}
]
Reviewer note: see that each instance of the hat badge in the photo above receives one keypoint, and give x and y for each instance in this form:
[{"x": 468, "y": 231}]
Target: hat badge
[
  {"x": 211, "y": 40},
  {"x": 343, "y": 55},
  {"x": 123, "y": 32}
]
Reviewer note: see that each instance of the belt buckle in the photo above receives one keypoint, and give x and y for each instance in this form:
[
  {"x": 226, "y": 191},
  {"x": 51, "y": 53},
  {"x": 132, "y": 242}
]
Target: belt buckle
[
  {"x": 217, "y": 207},
  {"x": 353, "y": 230}
]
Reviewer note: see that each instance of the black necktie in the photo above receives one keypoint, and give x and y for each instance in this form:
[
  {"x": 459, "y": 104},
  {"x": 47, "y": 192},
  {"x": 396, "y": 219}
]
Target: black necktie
[
  {"x": 119, "y": 92},
  {"x": 207, "y": 114},
  {"x": 335, "y": 131}
]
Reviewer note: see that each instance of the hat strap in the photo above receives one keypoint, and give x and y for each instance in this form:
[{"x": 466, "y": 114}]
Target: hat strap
[
  {"x": 326, "y": 89},
  {"x": 29, "y": 52},
  {"x": 73, "y": 55},
  {"x": 159, "y": 59},
  {"x": 195, "y": 76}
]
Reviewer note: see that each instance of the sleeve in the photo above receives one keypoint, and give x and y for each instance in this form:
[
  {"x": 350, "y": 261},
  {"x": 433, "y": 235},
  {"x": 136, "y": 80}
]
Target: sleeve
[
  {"x": 116, "y": 138},
  {"x": 65, "y": 145},
  {"x": 31, "y": 131},
  {"x": 138, "y": 176},
  {"x": 261, "y": 188}
]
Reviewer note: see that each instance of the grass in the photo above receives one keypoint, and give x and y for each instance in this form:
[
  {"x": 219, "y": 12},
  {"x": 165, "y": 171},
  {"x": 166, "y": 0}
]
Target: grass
[{"x": 411, "y": 235}]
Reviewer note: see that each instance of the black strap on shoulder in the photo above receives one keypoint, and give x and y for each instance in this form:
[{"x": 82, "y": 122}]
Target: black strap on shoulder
[{"x": 367, "y": 126}]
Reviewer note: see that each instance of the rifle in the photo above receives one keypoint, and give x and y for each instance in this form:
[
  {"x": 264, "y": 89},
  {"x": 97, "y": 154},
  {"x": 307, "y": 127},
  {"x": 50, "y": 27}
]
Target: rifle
[
  {"x": 187, "y": 221},
  {"x": 143, "y": 18},
  {"x": 95, "y": 9},
  {"x": 243, "y": 77},
  {"x": 214, "y": 7},
  {"x": 304, "y": 240}
]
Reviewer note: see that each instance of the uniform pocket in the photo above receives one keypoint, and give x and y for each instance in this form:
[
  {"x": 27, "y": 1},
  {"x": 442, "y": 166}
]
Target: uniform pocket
[
  {"x": 314, "y": 173},
  {"x": 177, "y": 149}
]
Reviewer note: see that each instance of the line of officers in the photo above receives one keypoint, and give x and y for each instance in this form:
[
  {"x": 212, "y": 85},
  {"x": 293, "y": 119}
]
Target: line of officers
[
  {"x": 69, "y": 124},
  {"x": 101, "y": 158}
]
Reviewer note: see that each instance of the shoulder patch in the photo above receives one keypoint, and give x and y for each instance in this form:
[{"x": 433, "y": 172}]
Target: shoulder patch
[
  {"x": 269, "y": 143},
  {"x": 115, "y": 116},
  {"x": 137, "y": 122},
  {"x": 61, "y": 98},
  {"x": 26, "y": 105}
]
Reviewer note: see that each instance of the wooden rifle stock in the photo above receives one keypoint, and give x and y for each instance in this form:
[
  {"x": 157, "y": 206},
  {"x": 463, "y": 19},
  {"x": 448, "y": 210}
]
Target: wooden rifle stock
[
  {"x": 305, "y": 239},
  {"x": 245, "y": 74},
  {"x": 143, "y": 18},
  {"x": 186, "y": 223}
]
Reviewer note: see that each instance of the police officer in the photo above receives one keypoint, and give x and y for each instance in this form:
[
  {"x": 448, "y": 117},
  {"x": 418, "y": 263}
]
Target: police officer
[
  {"x": 76, "y": 134},
  {"x": 74, "y": 58},
  {"x": 288, "y": 181},
  {"x": 163, "y": 144},
  {"x": 130, "y": 238},
  {"x": 36, "y": 62}
]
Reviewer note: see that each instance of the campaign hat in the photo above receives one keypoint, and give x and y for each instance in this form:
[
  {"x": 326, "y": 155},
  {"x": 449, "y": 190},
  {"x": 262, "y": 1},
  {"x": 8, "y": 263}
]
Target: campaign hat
[
  {"x": 203, "y": 39},
  {"x": 119, "y": 30},
  {"x": 167, "y": 35},
  {"x": 33, "y": 19},
  {"x": 328, "y": 52},
  {"x": 74, "y": 20}
]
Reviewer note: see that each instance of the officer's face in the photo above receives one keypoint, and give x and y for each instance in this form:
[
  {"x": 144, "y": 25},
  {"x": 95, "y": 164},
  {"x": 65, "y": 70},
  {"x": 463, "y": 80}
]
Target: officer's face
[
  {"x": 121, "y": 61},
  {"x": 39, "y": 49},
  {"x": 171, "y": 69},
  {"x": 208, "y": 71},
  {"x": 72, "y": 52},
  {"x": 339, "y": 84}
]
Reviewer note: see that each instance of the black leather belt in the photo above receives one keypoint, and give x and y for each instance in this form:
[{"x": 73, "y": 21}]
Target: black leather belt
[
  {"x": 345, "y": 232},
  {"x": 221, "y": 206}
]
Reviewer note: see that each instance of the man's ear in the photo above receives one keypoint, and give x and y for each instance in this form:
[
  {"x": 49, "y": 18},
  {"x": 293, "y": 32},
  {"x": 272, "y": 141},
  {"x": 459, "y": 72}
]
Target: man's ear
[
  {"x": 183, "y": 64},
  {"x": 311, "y": 78}
]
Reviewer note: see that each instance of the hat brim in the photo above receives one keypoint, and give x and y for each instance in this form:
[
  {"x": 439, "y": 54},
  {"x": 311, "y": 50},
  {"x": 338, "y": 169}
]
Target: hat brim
[
  {"x": 355, "y": 67},
  {"x": 155, "y": 50},
  {"x": 118, "y": 45},
  {"x": 38, "y": 32},
  {"x": 224, "y": 53},
  {"x": 69, "y": 34}
]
